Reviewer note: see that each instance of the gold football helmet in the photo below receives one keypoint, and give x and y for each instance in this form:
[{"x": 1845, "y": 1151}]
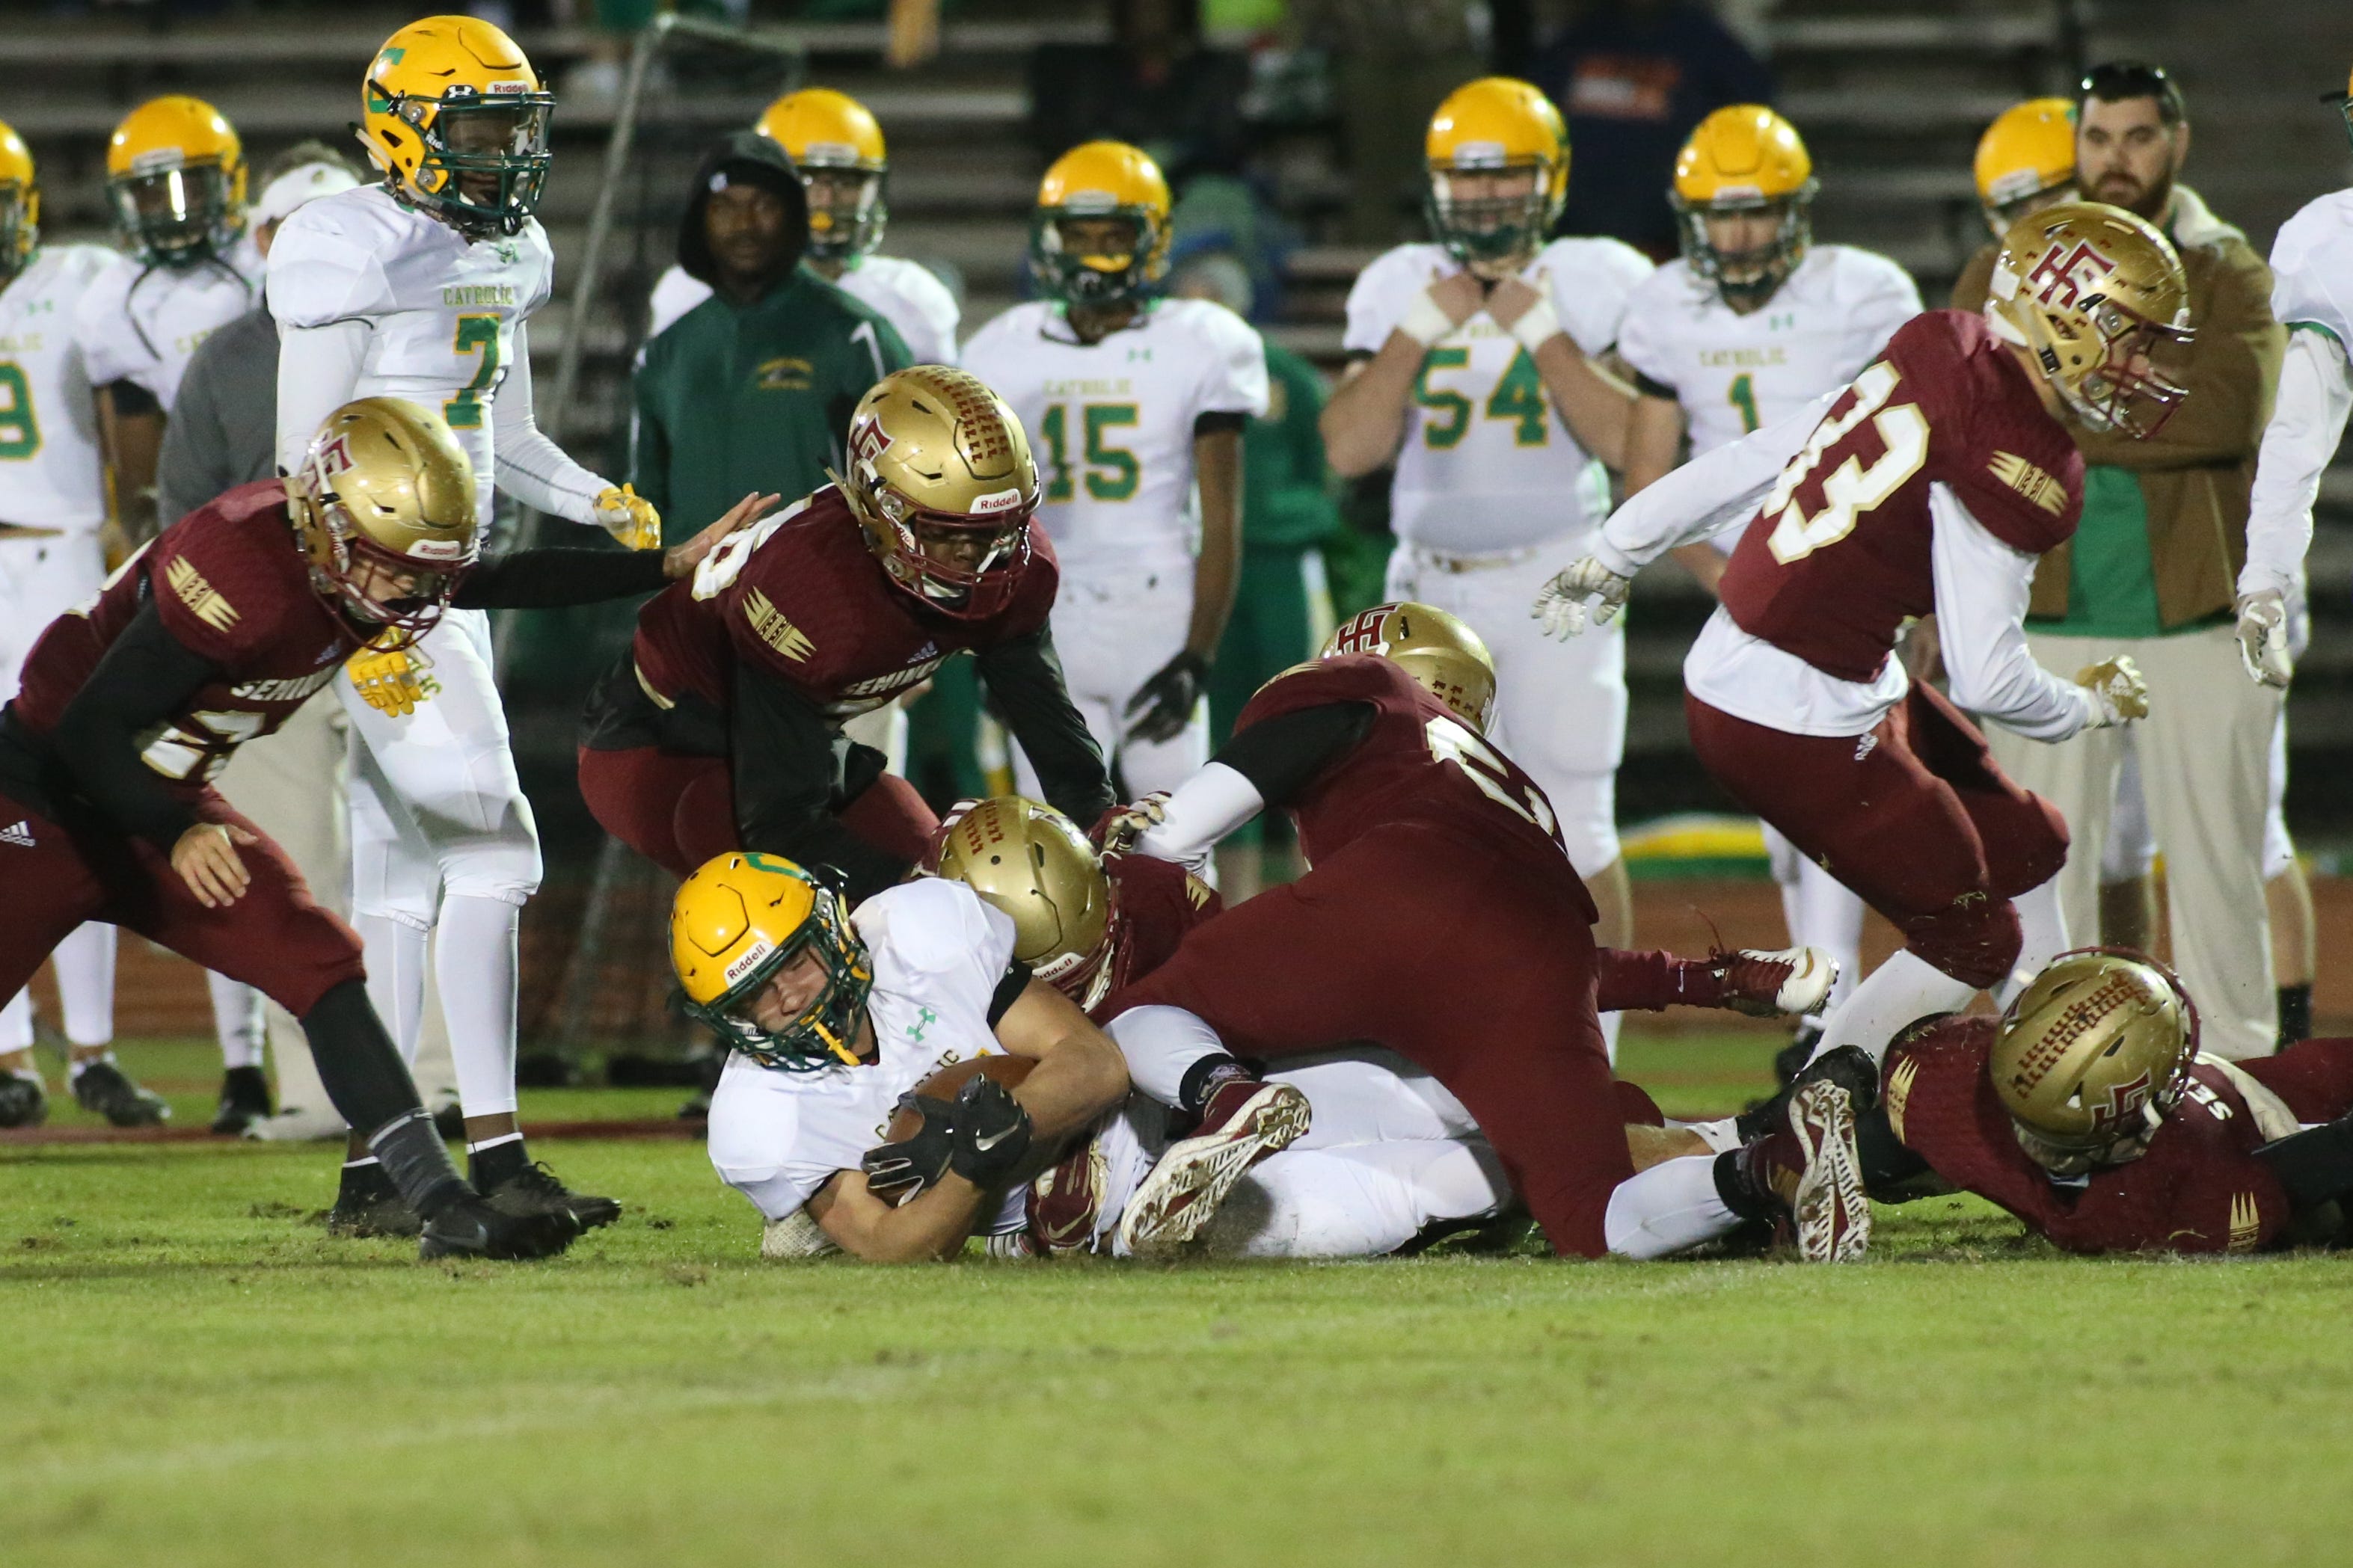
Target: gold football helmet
[
  {"x": 1497, "y": 155},
  {"x": 175, "y": 179},
  {"x": 1104, "y": 183},
  {"x": 836, "y": 149},
  {"x": 451, "y": 110},
  {"x": 1030, "y": 861},
  {"x": 2097, "y": 296},
  {"x": 1445, "y": 657},
  {"x": 2091, "y": 1056},
  {"x": 739, "y": 920},
  {"x": 20, "y": 202},
  {"x": 942, "y": 481},
  {"x": 386, "y": 497},
  {"x": 1745, "y": 160},
  {"x": 2026, "y": 160}
]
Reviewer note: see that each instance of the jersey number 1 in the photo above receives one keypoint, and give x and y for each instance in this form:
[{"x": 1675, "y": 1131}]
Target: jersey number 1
[
  {"x": 476, "y": 335},
  {"x": 1850, "y": 489}
]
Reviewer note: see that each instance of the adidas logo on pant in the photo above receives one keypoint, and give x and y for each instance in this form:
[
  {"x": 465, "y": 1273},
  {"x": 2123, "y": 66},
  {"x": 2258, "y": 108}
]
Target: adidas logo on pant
[{"x": 20, "y": 835}]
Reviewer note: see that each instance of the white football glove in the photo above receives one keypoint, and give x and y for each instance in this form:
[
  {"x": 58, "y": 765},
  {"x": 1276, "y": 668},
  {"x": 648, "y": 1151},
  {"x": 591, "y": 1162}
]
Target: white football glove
[
  {"x": 2118, "y": 692},
  {"x": 628, "y": 517},
  {"x": 2262, "y": 638},
  {"x": 1561, "y": 606}
]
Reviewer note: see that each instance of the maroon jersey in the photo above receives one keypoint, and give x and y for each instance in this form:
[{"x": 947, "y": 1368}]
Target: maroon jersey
[
  {"x": 800, "y": 598},
  {"x": 1418, "y": 763},
  {"x": 1838, "y": 556},
  {"x": 1157, "y": 902},
  {"x": 231, "y": 586},
  {"x": 2198, "y": 1187}
]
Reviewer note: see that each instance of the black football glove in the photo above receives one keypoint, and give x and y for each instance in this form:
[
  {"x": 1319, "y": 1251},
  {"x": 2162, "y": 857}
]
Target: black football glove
[
  {"x": 1168, "y": 699},
  {"x": 897, "y": 1172},
  {"x": 992, "y": 1132}
]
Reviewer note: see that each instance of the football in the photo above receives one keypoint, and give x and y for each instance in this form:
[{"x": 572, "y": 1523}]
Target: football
[{"x": 949, "y": 1081}]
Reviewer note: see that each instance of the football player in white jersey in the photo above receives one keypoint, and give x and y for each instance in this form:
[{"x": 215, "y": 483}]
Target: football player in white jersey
[
  {"x": 838, "y": 150},
  {"x": 52, "y": 508},
  {"x": 1754, "y": 322},
  {"x": 419, "y": 287},
  {"x": 832, "y": 1017},
  {"x": 1474, "y": 374},
  {"x": 175, "y": 181},
  {"x": 1135, "y": 406}
]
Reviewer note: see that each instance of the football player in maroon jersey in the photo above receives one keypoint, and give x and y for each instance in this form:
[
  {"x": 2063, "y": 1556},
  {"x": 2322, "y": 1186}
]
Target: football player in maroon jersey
[
  {"x": 2088, "y": 1111},
  {"x": 721, "y": 728},
  {"x": 1928, "y": 486},
  {"x": 211, "y": 636},
  {"x": 1441, "y": 919}
]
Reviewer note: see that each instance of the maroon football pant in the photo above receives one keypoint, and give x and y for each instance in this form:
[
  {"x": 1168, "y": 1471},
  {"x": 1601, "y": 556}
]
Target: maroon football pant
[
  {"x": 275, "y": 938},
  {"x": 678, "y": 812},
  {"x": 1916, "y": 817},
  {"x": 2315, "y": 1076},
  {"x": 1473, "y": 963}
]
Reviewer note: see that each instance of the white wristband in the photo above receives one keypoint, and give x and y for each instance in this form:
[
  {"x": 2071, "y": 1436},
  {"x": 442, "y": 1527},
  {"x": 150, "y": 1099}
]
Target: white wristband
[
  {"x": 1426, "y": 320},
  {"x": 1537, "y": 325}
]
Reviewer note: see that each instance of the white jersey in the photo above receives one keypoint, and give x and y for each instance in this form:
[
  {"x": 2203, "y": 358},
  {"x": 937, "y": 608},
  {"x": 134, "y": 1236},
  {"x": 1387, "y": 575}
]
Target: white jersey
[
  {"x": 1734, "y": 374},
  {"x": 939, "y": 953},
  {"x": 2312, "y": 296},
  {"x": 442, "y": 312},
  {"x": 907, "y": 294},
  {"x": 141, "y": 323},
  {"x": 1488, "y": 465},
  {"x": 51, "y": 472},
  {"x": 1111, "y": 423}
]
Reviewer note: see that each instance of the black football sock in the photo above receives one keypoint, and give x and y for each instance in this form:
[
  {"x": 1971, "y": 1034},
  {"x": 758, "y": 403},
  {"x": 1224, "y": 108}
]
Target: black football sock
[
  {"x": 418, "y": 1164},
  {"x": 1202, "y": 1079},
  {"x": 495, "y": 1162},
  {"x": 2295, "y": 1013},
  {"x": 363, "y": 1181}
]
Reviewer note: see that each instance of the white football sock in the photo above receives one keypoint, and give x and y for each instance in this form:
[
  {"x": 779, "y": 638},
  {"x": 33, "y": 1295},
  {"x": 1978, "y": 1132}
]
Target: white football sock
[
  {"x": 395, "y": 976},
  {"x": 16, "y": 1023},
  {"x": 1722, "y": 1135},
  {"x": 474, "y": 975},
  {"x": 1825, "y": 915},
  {"x": 2043, "y": 930},
  {"x": 85, "y": 967},
  {"x": 236, "y": 1020},
  {"x": 1661, "y": 1211},
  {"x": 1610, "y": 1023},
  {"x": 1161, "y": 1045},
  {"x": 1905, "y": 988}
]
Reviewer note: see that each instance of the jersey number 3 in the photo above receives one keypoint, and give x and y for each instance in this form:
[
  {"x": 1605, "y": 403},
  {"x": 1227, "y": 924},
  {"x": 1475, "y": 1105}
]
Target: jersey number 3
[
  {"x": 1851, "y": 489},
  {"x": 1450, "y": 742},
  {"x": 20, "y": 438}
]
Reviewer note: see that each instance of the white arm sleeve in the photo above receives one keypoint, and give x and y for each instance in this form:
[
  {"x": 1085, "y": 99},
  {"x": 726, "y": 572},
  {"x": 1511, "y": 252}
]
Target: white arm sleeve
[
  {"x": 1982, "y": 589},
  {"x": 2316, "y": 394},
  {"x": 1202, "y": 810},
  {"x": 530, "y": 467},
  {"x": 317, "y": 369},
  {"x": 1708, "y": 495}
]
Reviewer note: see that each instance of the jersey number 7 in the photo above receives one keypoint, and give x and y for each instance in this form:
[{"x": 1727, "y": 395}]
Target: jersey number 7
[{"x": 1851, "y": 489}]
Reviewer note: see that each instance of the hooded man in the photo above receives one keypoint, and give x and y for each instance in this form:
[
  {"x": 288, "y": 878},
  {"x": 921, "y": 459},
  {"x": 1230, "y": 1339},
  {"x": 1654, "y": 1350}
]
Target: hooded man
[{"x": 752, "y": 388}]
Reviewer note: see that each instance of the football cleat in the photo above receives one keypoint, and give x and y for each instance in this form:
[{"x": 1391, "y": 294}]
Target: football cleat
[
  {"x": 1245, "y": 1121},
  {"x": 367, "y": 1204},
  {"x": 472, "y": 1228},
  {"x": 244, "y": 1101},
  {"x": 23, "y": 1101},
  {"x": 536, "y": 1190},
  {"x": 1832, "y": 1212},
  {"x": 1790, "y": 980},
  {"x": 1064, "y": 1202},
  {"x": 297, "y": 1124},
  {"x": 105, "y": 1089}
]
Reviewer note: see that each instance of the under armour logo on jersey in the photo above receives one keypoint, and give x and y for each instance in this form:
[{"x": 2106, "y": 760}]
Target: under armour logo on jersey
[
  {"x": 20, "y": 835},
  {"x": 204, "y": 601},
  {"x": 1144, "y": 355},
  {"x": 926, "y": 1019}
]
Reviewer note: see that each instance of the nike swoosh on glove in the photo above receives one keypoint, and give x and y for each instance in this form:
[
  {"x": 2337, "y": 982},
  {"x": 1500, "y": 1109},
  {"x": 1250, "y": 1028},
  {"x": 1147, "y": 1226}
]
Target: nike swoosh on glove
[
  {"x": 992, "y": 1132},
  {"x": 2262, "y": 639},
  {"x": 1561, "y": 606},
  {"x": 2117, "y": 691},
  {"x": 628, "y": 517}
]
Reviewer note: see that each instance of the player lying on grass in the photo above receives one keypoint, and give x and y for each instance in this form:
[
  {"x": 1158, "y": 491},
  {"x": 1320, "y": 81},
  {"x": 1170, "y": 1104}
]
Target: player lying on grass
[
  {"x": 2088, "y": 1111},
  {"x": 211, "y": 636}
]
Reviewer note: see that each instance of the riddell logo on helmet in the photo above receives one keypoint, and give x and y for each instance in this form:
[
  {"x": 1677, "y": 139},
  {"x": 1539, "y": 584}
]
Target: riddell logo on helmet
[
  {"x": 995, "y": 501},
  {"x": 2077, "y": 271},
  {"x": 747, "y": 960},
  {"x": 436, "y": 549}
]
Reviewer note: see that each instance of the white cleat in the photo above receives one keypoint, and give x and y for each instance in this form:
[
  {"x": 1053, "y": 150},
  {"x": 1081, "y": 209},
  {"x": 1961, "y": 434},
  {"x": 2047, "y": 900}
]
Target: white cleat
[
  {"x": 1831, "y": 1210},
  {"x": 1244, "y": 1122},
  {"x": 1782, "y": 982}
]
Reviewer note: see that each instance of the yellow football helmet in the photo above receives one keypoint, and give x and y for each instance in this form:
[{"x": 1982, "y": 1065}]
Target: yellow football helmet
[
  {"x": 740, "y": 918},
  {"x": 2091, "y": 1056},
  {"x": 939, "y": 464},
  {"x": 1745, "y": 160},
  {"x": 20, "y": 202},
  {"x": 2026, "y": 160},
  {"x": 451, "y": 110},
  {"x": 2344, "y": 105},
  {"x": 1033, "y": 863},
  {"x": 836, "y": 149},
  {"x": 1445, "y": 657},
  {"x": 2097, "y": 296},
  {"x": 175, "y": 179},
  {"x": 1095, "y": 182},
  {"x": 385, "y": 485},
  {"x": 1487, "y": 134}
]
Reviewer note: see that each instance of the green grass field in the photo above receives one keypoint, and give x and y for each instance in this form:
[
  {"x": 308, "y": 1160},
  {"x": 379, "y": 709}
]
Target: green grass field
[{"x": 195, "y": 1374}]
